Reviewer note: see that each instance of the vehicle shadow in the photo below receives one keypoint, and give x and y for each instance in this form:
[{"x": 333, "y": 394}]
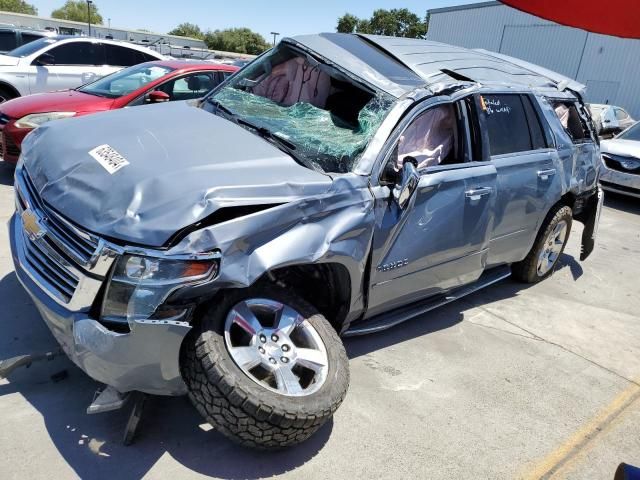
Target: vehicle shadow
[
  {"x": 622, "y": 202},
  {"x": 6, "y": 174},
  {"x": 92, "y": 444}
]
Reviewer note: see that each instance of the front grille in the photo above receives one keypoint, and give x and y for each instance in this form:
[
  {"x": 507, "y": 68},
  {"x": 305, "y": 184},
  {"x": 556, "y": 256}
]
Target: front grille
[
  {"x": 10, "y": 148},
  {"x": 59, "y": 278},
  {"x": 620, "y": 188},
  {"x": 613, "y": 162},
  {"x": 67, "y": 263},
  {"x": 82, "y": 246}
]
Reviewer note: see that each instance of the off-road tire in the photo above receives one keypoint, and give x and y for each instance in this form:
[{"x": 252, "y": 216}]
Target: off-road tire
[
  {"x": 527, "y": 270},
  {"x": 240, "y": 408}
]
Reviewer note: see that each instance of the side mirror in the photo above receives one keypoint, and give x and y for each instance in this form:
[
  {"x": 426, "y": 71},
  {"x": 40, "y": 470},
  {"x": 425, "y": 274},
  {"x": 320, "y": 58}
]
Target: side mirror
[
  {"x": 409, "y": 182},
  {"x": 44, "y": 60},
  {"x": 158, "y": 96}
]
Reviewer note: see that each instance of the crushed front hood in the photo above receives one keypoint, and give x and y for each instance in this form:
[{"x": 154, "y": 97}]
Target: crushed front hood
[
  {"x": 183, "y": 165},
  {"x": 619, "y": 146}
]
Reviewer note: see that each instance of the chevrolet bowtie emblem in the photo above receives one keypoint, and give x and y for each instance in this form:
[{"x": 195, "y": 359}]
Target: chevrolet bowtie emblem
[{"x": 31, "y": 225}]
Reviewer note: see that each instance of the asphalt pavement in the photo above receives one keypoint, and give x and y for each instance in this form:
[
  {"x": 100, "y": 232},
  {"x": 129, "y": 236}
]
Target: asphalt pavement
[{"x": 514, "y": 381}]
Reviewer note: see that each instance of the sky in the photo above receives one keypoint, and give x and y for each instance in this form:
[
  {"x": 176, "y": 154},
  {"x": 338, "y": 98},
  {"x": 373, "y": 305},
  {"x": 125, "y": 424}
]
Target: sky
[{"x": 289, "y": 17}]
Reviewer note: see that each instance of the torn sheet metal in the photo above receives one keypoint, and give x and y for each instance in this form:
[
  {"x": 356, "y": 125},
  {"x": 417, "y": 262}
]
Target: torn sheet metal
[
  {"x": 170, "y": 183},
  {"x": 333, "y": 227}
]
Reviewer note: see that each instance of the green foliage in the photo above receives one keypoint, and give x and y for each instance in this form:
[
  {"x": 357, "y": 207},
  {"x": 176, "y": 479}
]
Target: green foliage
[
  {"x": 397, "y": 22},
  {"x": 188, "y": 30},
  {"x": 77, "y": 10},
  {"x": 18, "y": 6},
  {"x": 240, "y": 40}
]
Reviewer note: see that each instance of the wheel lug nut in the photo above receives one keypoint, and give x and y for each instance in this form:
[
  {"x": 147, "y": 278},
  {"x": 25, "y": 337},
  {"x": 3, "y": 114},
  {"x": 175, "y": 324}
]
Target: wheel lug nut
[
  {"x": 263, "y": 339},
  {"x": 261, "y": 350},
  {"x": 284, "y": 359},
  {"x": 272, "y": 360},
  {"x": 285, "y": 348},
  {"x": 274, "y": 337}
]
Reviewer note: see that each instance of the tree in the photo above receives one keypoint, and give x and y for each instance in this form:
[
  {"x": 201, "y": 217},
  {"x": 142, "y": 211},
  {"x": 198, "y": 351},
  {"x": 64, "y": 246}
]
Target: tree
[
  {"x": 77, "y": 10},
  {"x": 347, "y": 23},
  {"x": 187, "y": 30},
  {"x": 240, "y": 40},
  {"x": 397, "y": 22},
  {"x": 18, "y": 6}
]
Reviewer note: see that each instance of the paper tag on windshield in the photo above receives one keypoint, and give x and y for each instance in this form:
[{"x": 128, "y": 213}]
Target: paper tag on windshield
[{"x": 111, "y": 160}]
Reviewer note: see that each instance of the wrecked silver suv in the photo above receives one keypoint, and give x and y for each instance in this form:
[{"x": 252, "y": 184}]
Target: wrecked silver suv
[{"x": 338, "y": 185}]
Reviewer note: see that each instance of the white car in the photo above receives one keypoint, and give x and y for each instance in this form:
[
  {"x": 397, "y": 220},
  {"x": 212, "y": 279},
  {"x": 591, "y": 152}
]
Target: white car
[
  {"x": 62, "y": 62},
  {"x": 610, "y": 118}
]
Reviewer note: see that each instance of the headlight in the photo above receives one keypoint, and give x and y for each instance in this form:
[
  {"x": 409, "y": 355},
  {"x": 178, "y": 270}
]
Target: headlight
[
  {"x": 139, "y": 285},
  {"x": 36, "y": 119}
]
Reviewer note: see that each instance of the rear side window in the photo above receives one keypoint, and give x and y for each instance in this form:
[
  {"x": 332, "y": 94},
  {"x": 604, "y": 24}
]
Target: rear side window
[
  {"x": 28, "y": 38},
  {"x": 125, "y": 57},
  {"x": 507, "y": 124},
  {"x": 571, "y": 121},
  {"x": 7, "y": 41},
  {"x": 621, "y": 114}
]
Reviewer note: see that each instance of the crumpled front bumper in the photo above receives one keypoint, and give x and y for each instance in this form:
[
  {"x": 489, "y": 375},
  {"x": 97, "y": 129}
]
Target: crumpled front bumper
[
  {"x": 620, "y": 182},
  {"x": 146, "y": 359}
]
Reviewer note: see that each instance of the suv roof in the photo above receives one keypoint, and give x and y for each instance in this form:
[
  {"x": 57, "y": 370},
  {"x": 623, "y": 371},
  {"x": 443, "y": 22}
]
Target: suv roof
[{"x": 431, "y": 62}]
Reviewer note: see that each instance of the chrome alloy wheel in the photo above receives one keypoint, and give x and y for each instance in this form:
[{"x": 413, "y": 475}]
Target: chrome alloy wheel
[
  {"x": 551, "y": 248},
  {"x": 276, "y": 347}
]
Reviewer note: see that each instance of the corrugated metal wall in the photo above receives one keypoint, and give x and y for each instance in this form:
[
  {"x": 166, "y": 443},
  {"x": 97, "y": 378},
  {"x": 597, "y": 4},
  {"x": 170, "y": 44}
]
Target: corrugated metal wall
[{"x": 609, "y": 66}]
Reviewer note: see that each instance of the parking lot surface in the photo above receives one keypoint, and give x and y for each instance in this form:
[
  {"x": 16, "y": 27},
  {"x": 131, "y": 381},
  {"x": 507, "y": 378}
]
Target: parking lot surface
[{"x": 514, "y": 381}]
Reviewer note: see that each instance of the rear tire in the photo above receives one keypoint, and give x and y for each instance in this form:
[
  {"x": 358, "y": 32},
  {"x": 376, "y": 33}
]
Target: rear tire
[
  {"x": 7, "y": 94},
  {"x": 548, "y": 247},
  {"x": 234, "y": 399}
]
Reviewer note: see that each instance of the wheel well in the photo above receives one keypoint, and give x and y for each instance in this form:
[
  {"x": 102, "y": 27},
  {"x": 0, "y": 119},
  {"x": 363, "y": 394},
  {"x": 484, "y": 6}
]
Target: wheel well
[
  {"x": 568, "y": 199},
  {"x": 326, "y": 286},
  {"x": 10, "y": 88}
]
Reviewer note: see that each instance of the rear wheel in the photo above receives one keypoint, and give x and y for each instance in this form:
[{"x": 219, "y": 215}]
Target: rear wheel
[
  {"x": 6, "y": 94},
  {"x": 549, "y": 245},
  {"x": 265, "y": 368}
]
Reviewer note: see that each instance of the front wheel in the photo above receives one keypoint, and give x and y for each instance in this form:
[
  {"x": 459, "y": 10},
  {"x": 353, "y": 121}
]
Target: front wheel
[
  {"x": 549, "y": 245},
  {"x": 265, "y": 368}
]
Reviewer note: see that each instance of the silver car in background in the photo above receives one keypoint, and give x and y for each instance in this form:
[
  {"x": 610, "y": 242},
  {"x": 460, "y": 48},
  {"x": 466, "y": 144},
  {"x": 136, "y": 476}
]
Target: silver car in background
[
  {"x": 621, "y": 162},
  {"x": 610, "y": 119}
]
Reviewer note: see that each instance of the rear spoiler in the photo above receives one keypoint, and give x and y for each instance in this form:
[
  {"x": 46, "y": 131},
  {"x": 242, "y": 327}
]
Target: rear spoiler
[{"x": 562, "y": 82}]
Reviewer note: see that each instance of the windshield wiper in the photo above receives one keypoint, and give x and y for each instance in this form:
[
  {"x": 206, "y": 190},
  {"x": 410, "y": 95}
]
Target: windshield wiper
[{"x": 282, "y": 143}]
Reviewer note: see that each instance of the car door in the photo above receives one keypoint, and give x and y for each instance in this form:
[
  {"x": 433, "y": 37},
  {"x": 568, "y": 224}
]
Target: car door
[
  {"x": 66, "y": 66},
  {"x": 439, "y": 240},
  {"x": 528, "y": 169}
]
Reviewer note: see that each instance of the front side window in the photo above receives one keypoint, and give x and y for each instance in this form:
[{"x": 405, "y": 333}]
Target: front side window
[
  {"x": 322, "y": 117},
  {"x": 78, "y": 53},
  {"x": 506, "y": 123},
  {"x": 431, "y": 139},
  {"x": 125, "y": 81}
]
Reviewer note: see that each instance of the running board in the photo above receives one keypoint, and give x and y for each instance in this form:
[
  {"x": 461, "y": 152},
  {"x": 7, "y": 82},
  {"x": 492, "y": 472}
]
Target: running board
[{"x": 388, "y": 320}]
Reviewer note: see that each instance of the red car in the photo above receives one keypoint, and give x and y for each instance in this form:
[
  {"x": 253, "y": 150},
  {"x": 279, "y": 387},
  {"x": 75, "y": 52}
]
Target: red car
[{"x": 145, "y": 83}]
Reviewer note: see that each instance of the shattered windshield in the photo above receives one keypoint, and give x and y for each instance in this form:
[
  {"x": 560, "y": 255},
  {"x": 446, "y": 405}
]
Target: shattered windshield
[{"x": 324, "y": 118}]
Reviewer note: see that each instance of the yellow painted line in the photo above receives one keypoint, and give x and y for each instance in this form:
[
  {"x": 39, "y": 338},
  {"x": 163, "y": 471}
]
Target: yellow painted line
[{"x": 554, "y": 461}]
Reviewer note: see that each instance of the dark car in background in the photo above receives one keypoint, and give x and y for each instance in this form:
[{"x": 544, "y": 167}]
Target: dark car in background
[
  {"x": 13, "y": 37},
  {"x": 145, "y": 83}
]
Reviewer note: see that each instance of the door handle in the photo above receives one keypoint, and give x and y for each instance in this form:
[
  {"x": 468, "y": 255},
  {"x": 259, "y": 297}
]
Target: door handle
[
  {"x": 477, "y": 193},
  {"x": 545, "y": 174}
]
